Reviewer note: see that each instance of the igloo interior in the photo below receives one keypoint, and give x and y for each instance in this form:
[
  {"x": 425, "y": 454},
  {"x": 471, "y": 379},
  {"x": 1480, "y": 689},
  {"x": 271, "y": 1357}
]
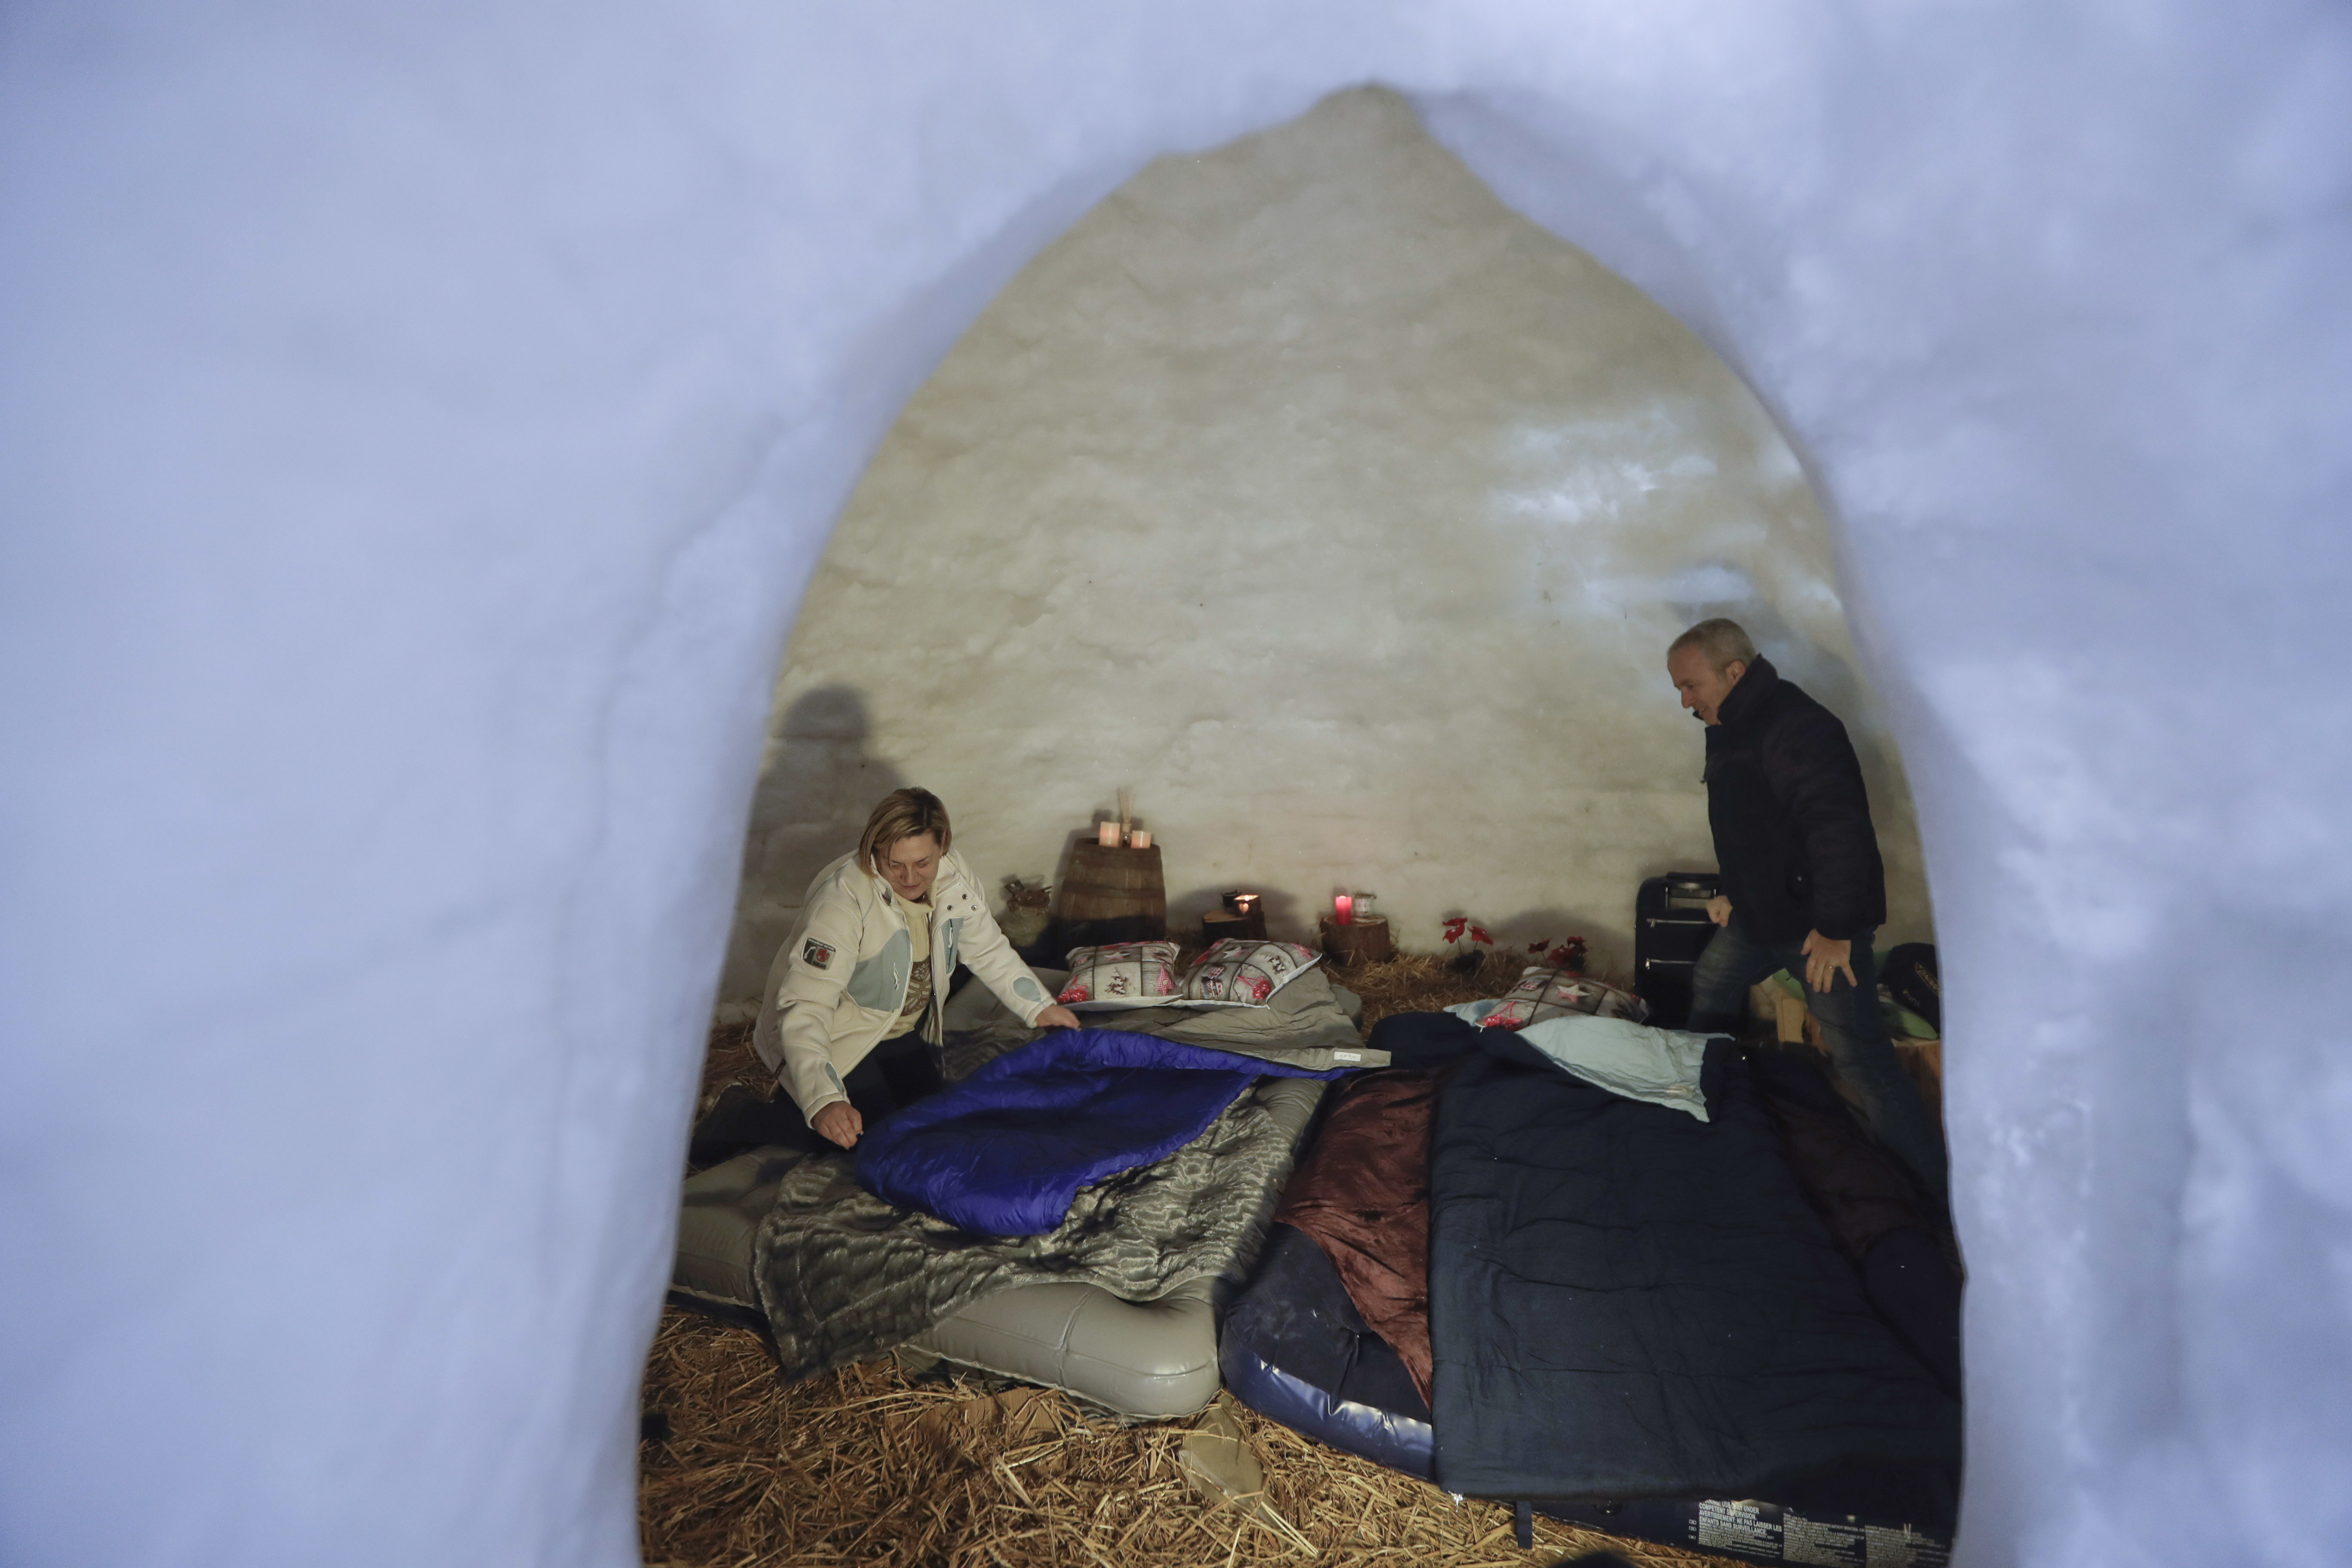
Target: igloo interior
[
  {"x": 421, "y": 426},
  {"x": 1338, "y": 511}
]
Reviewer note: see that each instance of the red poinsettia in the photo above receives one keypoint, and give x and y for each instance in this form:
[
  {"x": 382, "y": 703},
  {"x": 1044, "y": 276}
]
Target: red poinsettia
[
  {"x": 1566, "y": 955},
  {"x": 1456, "y": 926}
]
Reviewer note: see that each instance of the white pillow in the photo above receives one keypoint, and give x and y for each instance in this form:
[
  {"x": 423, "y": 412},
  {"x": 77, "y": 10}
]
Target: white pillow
[
  {"x": 1124, "y": 974},
  {"x": 1544, "y": 993},
  {"x": 1244, "y": 970}
]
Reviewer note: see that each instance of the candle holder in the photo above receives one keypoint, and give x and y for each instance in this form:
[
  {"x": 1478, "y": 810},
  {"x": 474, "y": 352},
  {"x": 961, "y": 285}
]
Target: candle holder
[{"x": 1243, "y": 915}]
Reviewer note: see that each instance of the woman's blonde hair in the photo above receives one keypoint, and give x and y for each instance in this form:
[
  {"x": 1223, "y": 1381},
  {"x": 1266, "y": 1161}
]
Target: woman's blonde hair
[{"x": 903, "y": 814}]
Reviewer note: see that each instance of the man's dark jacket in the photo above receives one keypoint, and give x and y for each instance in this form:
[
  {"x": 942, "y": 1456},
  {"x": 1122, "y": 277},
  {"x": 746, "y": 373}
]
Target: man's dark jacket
[{"x": 1792, "y": 834}]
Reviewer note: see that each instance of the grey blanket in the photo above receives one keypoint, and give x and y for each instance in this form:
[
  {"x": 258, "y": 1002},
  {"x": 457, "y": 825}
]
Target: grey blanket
[
  {"x": 843, "y": 1276},
  {"x": 1309, "y": 1023}
]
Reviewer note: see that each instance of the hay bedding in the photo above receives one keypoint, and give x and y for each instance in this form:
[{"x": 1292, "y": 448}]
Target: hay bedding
[
  {"x": 866, "y": 1465},
  {"x": 870, "y": 1466}
]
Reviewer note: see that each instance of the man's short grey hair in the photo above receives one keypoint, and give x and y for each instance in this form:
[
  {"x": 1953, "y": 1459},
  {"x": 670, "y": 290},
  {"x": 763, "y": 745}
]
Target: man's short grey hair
[{"x": 1720, "y": 640}]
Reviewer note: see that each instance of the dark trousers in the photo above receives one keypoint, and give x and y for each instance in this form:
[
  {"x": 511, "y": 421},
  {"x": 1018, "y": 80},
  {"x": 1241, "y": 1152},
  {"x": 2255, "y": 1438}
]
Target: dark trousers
[
  {"x": 1852, "y": 1029},
  {"x": 895, "y": 1074}
]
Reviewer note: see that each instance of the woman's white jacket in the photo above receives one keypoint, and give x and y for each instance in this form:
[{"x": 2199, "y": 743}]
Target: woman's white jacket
[{"x": 839, "y": 981}]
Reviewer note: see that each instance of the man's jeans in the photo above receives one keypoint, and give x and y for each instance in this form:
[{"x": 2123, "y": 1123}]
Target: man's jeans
[{"x": 1852, "y": 1027}]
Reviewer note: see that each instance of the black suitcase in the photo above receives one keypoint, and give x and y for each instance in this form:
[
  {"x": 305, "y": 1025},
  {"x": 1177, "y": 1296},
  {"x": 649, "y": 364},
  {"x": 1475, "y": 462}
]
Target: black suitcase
[{"x": 1670, "y": 930}]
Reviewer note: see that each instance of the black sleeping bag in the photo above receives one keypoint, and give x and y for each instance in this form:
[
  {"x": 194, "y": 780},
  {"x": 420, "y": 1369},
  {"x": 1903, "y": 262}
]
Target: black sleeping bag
[
  {"x": 1294, "y": 1348},
  {"x": 1627, "y": 1303}
]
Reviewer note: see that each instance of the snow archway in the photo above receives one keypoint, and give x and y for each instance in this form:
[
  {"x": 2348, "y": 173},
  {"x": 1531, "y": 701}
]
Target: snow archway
[{"x": 415, "y": 422}]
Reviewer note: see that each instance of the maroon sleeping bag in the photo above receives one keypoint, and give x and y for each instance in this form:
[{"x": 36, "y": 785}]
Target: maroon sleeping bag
[{"x": 1363, "y": 1195}]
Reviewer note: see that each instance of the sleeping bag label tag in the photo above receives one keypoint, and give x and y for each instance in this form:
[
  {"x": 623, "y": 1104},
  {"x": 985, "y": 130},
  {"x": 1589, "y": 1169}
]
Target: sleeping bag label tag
[
  {"x": 1767, "y": 1533},
  {"x": 1347, "y": 1055},
  {"x": 816, "y": 954}
]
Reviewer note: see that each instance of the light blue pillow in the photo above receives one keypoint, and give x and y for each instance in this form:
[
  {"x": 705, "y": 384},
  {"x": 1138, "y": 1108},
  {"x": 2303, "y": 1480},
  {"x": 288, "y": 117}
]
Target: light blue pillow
[{"x": 1659, "y": 1066}]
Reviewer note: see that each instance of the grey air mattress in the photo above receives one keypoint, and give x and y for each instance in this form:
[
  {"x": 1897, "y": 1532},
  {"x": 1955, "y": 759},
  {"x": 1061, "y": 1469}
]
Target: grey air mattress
[
  {"x": 1145, "y": 1359},
  {"x": 1148, "y": 1360}
]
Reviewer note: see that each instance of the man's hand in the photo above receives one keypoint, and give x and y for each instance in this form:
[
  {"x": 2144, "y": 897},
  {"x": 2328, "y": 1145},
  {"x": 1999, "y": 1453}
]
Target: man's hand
[
  {"x": 1719, "y": 909},
  {"x": 1824, "y": 959},
  {"x": 1058, "y": 1017},
  {"x": 840, "y": 1122}
]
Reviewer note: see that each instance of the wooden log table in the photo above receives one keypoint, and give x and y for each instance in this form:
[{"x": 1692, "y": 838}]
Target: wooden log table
[
  {"x": 1219, "y": 924},
  {"x": 1364, "y": 941}
]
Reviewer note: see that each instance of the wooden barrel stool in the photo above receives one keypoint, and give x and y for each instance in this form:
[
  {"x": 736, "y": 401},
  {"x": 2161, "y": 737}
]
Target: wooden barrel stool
[{"x": 1111, "y": 894}]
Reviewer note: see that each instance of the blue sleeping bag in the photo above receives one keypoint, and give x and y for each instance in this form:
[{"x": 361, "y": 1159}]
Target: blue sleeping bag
[{"x": 1004, "y": 1151}]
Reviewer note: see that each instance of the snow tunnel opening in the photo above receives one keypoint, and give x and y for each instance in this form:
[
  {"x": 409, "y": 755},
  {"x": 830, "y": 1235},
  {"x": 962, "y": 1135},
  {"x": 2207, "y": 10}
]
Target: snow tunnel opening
[{"x": 1284, "y": 480}]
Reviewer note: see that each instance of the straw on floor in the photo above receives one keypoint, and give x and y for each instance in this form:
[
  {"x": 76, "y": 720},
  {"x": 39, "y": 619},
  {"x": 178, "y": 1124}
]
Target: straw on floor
[{"x": 873, "y": 1466}]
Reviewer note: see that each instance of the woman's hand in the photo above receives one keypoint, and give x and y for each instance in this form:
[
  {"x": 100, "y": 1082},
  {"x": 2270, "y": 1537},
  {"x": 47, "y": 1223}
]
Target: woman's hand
[
  {"x": 1719, "y": 909},
  {"x": 1057, "y": 1018},
  {"x": 840, "y": 1122}
]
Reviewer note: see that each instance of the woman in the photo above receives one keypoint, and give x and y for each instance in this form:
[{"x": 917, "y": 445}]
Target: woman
[{"x": 851, "y": 1018}]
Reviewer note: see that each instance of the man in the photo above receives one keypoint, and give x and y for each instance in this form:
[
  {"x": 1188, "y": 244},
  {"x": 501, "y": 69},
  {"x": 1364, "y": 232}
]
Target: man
[{"x": 1803, "y": 889}]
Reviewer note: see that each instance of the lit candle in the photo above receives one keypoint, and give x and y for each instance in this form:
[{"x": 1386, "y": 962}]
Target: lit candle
[
  {"x": 1341, "y": 906},
  {"x": 1138, "y": 839},
  {"x": 1106, "y": 834},
  {"x": 1241, "y": 904}
]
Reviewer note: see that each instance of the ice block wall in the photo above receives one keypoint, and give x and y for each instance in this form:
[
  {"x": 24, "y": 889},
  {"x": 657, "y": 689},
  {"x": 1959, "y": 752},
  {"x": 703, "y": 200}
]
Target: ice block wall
[{"x": 419, "y": 424}]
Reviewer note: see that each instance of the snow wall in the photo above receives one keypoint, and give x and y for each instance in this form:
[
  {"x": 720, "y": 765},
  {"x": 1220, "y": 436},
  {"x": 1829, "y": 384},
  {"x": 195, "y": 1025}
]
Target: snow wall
[
  {"x": 1344, "y": 515},
  {"x": 419, "y": 424}
]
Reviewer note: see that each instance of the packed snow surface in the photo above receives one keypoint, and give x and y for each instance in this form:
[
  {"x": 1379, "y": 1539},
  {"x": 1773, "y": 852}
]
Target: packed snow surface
[
  {"x": 1342, "y": 517},
  {"x": 421, "y": 421}
]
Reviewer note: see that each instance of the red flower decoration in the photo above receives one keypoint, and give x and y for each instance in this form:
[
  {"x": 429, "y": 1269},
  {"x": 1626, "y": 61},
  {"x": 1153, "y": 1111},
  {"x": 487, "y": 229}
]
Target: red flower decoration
[
  {"x": 1478, "y": 933},
  {"x": 1454, "y": 926}
]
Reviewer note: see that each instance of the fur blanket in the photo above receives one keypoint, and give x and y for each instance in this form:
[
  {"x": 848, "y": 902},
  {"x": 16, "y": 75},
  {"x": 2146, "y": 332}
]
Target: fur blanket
[{"x": 843, "y": 1276}]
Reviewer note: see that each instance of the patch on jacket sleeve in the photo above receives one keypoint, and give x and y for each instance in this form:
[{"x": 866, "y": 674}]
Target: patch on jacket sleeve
[
  {"x": 816, "y": 954},
  {"x": 1026, "y": 989}
]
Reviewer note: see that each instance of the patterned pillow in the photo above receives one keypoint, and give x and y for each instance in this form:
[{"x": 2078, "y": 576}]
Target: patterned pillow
[
  {"x": 1124, "y": 974},
  {"x": 1554, "y": 992},
  {"x": 1243, "y": 969}
]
